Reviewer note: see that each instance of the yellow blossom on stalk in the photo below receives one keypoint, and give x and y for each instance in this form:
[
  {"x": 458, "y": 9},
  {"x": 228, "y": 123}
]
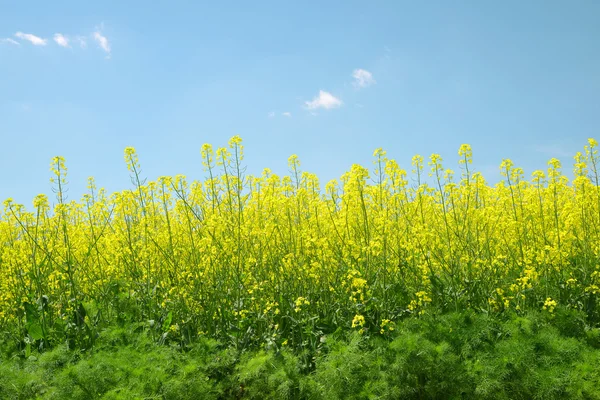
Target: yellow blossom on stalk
[
  {"x": 165, "y": 180},
  {"x": 417, "y": 163},
  {"x": 235, "y": 144},
  {"x": 386, "y": 326},
  {"x": 235, "y": 141},
  {"x": 466, "y": 154},
  {"x": 593, "y": 289},
  {"x": 293, "y": 162},
  {"x": 554, "y": 166},
  {"x": 8, "y": 202},
  {"x": 549, "y": 305},
  {"x": 538, "y": 176},
  {"x": 571, "y": 282},
  {"x": 358, "y": 321},
  {"x": 435, "y": 161},
  {"x": 423, "y": 299},
  {"x": 506, "y": 167},
  {"x": 57, "y": 165},
  {"x": 223, "y": 157},
  {"x": 301, "y": 301},
  {"x": 379, "y": 153},
  {"x": 59, "y": 170},
  {"x": 131, "y": 159},
  {"x": 207, "y": 155}
]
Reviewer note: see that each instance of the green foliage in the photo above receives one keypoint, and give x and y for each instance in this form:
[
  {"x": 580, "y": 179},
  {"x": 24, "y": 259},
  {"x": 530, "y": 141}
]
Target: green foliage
[
  {"x": 459, "y": 355},
  {"x": 268, "y": 376},
  {"x": 343, "y": 371}
]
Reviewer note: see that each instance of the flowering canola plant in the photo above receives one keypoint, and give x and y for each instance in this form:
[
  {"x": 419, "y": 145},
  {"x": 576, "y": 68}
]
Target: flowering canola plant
[{"x": 276, "y": 260}]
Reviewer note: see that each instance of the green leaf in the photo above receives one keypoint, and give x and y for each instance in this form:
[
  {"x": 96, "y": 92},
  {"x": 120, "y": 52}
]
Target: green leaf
[
  {"x": 35, "y": 331},
  {"x": 31, "y": 313},
  {"x": 167, "y": 321},
  {"x": 79, "y": 315}
]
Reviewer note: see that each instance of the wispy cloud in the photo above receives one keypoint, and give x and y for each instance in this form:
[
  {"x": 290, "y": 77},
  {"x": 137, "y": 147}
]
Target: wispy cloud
[
  {"x": 102, "y": 42},
  {"x": 35, "y": 40},
  {"x": 388, "y": 52},
  {"x": 287, "y": 114},
  {"x": 61, "y": 40},
  {"x": 362, "y": 78},
  {"x": 324, "y": 100},
  {"x": 64, "y": 40},
  {"x": 82, "y": 41},
  {"x": 10, "y": 41}
]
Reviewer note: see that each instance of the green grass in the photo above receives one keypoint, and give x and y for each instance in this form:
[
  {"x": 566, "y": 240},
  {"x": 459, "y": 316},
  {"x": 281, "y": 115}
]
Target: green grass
[{"x": 460, "y": 355}]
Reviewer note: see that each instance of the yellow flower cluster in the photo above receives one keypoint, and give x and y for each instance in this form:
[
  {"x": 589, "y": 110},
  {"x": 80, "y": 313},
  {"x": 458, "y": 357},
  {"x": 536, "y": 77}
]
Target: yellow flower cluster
[
  {"x": 301, "y": 301},
  {"x": 359, "y": 322},
  {"x": 549, "y": 305}
]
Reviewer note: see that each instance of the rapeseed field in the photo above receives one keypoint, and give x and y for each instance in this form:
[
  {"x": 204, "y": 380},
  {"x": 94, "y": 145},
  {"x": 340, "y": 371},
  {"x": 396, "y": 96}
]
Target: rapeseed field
[{"x": 280, "y": 262}]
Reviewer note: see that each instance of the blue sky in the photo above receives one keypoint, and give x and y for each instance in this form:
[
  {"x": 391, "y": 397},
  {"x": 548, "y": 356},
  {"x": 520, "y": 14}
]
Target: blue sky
[{"x": 515, "y": 79}]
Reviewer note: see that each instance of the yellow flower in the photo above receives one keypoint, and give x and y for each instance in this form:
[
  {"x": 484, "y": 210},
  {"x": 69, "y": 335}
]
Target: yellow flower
[
  {"x": 358, "y": 320},
  {"x": 466, "y": 153},
  {"x": 131, "y": 159},
  {"x": 549, "y": 305},
  {"x": 386, "y": 324}
]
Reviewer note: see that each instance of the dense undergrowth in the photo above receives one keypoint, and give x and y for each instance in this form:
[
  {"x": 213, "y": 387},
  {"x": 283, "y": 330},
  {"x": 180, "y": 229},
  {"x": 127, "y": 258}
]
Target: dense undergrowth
[{"x": 453, "y": 356}]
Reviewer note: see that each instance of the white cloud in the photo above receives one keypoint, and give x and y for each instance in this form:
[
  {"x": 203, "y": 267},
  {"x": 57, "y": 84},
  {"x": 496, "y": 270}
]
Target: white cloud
[
  {"x": 324, "y": 100},
  {"x": 64, "y": 40},
  {"x": 82, "y": 41},
  {"x": 102, "y": 42},
  {"x": 271, "y": 114},
  {"x": 362, "y": 78},
  {"x": 61, "y": 40},
  {"x": 35, "y": 40},
  {"x": 287, "y": 114},
  {"x": 11, "y": 41}
]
